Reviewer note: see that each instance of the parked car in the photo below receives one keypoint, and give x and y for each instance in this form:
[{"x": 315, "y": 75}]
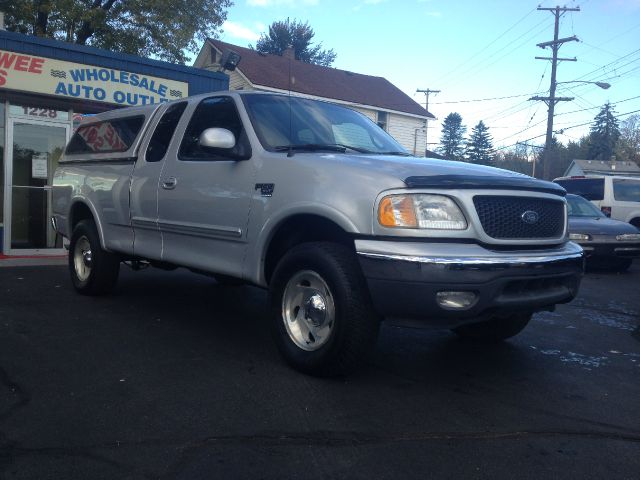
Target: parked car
[
  {"x": 617, "y": 197},
  {"x": 607, "y": 243},
  {"x": 321, "y": 206}
]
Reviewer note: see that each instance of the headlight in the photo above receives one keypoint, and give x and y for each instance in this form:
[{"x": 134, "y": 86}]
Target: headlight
[
  {"x": 579, "y": 236},
  {"x": 420, "y": 211},
  {"x": 629, "y": 237}
]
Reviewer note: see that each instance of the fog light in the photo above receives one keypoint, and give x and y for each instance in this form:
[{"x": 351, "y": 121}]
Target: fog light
[
  {"x": 579, "y": 236},
  {"x": 456, "y": 300}
]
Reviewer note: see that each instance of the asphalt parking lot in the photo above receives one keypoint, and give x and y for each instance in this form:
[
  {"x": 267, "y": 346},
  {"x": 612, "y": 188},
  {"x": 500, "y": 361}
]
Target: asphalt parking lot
[{"x": 176, "y": 377}]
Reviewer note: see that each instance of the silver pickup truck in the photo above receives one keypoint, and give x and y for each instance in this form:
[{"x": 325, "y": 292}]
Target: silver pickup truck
[{"x": 318, "y": 204}]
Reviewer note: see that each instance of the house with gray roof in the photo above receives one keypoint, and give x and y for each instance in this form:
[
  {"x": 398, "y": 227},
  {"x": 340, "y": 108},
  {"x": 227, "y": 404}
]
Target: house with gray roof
[
  {"x": 376, "y": 97},
  {"x": 601, "y": 167}
]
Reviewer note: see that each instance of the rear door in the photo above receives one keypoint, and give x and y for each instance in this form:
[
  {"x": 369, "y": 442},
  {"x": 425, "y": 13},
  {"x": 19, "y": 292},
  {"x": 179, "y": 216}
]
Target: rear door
[
  {"x": 205, "y": 193},
  {"x": 147, "y": 241}
]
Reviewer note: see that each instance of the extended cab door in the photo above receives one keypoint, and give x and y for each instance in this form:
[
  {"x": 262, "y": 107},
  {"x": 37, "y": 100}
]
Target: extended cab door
[
  {"x": 205, "y": 193},
  {"x": 145, "y": 180}
]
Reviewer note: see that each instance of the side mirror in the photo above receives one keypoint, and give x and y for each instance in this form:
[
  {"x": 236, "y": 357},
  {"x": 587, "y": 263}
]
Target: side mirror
[{"x": 217, "y": 138}]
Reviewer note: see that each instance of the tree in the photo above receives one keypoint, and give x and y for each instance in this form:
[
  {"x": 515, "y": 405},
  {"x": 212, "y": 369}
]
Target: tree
[
  {"x": 147, "y": 28},
  {"x": 604, "y": 134},
  {"x": 628, "y": 147},
  {"x": 452, "y": 138},
  {"x": 480, "y": 145},
  {"x": 297, "y": 34}
]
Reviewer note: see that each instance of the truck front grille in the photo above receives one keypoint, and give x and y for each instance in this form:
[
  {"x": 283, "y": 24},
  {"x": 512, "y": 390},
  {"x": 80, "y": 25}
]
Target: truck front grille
[{"x": 506, "y": 217}]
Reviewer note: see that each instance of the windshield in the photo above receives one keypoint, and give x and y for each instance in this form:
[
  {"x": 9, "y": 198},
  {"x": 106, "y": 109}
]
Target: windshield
[
  {"x": 626, "y": 190},
  {"x": 281, "y": 121},
  {"x": 581, "y": 207}
]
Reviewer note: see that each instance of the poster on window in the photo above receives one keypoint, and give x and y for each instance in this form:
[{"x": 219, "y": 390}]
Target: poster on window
[{"x": 39, "y": 166}]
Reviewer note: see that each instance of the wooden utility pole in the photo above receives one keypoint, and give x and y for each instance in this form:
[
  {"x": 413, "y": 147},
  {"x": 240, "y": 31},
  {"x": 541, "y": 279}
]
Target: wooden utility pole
[
  {"x": 551, "y": 100},
  {"x": 426, "y": 123}
]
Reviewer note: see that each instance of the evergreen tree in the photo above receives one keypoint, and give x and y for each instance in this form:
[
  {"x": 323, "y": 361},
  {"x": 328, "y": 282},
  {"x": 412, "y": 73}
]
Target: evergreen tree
[
  {"x": 452, "y": 137},
  {"x": 480, "y": 145},
  {"x": 604, "y": 134},
  {"x": 297, "y": 34}
]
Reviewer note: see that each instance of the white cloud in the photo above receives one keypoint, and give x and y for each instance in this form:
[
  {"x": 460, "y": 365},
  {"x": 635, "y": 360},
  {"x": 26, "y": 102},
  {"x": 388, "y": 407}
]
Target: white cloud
[{"x": 240, "y": 31}]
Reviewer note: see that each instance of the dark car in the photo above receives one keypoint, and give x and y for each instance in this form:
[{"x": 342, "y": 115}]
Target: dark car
[{"x": 607, "y": 243}]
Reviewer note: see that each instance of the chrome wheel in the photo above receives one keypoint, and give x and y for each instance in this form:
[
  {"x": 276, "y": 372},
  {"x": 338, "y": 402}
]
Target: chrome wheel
[
  {"x": 82, "y": 258},
  {"x": 308, "y": 310}
]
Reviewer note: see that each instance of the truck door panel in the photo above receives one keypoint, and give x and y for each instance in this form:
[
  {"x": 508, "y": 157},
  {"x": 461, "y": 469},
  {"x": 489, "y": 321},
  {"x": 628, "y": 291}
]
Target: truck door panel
[
  {"x": 144, "y": 183},
  {"x": 205, "y": 193}
]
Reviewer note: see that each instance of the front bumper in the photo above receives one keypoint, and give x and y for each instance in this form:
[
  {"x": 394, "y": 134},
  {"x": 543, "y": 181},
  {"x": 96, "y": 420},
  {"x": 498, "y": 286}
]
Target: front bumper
[
  {"x": 611, "y": 248},
  {"x": 404, "y": 278}
]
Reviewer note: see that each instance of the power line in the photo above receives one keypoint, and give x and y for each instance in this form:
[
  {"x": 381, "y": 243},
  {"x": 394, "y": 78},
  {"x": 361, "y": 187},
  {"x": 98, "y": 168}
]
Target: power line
[
  {"x": 487, "y": 46},
  {"x": 484, "y": 99}
]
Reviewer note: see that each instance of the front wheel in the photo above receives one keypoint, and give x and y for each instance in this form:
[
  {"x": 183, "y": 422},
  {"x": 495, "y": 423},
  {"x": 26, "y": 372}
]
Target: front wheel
[
  {"x": 94, "y": 271},
  {"x": 495, "y": 329},
  {"x": 322, "y": 317}
]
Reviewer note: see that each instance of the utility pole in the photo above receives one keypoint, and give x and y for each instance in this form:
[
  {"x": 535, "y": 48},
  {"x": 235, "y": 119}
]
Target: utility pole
[
  {"x": 426, "y": 123},
  {"x": 551, "y": 100}
]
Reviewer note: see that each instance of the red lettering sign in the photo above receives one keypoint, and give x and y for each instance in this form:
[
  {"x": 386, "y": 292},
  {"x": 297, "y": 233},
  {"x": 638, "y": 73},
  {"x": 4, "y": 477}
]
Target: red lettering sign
[
  {"x": 3, "y": 77},
  {"x": 21, "y": 63}
]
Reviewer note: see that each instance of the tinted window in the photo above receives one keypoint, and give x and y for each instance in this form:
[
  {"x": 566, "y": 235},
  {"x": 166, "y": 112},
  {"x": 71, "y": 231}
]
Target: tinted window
[
  {"x": 215, "y": 112},
  {"x": 626, "y": 190},
  {"x": 108, "y": 136},
  {"x": 589, "y": 188},
  {"x": 161, "y": 138}
]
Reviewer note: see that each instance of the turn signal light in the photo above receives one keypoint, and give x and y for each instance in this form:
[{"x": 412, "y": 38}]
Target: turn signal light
[{"x": 397, "y": 211}]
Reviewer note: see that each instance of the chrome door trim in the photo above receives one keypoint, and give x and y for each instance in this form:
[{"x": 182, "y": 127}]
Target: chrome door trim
[{"x": 199, "y": 230}]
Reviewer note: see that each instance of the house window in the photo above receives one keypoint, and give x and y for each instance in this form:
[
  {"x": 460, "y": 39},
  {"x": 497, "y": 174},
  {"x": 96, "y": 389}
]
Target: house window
[
  {"x": 382, "y": 120},
  {"x": 214, "y": 56}
]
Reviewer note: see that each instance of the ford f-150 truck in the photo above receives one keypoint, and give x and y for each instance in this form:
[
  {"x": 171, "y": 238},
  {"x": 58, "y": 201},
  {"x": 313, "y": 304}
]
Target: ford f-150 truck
[{"x": 318, "y": 204}]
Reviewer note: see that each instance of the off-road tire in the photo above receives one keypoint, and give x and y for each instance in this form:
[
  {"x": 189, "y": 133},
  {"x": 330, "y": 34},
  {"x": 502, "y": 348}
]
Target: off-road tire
[
  {"x": 355, "y": 325},
  {"x": 101, "y": 276}
]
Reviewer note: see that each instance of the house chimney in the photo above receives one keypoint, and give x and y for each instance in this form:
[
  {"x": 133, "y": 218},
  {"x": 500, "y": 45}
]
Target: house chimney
[{"x": 289, "y": 52}]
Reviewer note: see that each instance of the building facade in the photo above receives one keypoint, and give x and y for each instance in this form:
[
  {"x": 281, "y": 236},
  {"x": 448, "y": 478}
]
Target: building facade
[{"x": 46, "y": 87}]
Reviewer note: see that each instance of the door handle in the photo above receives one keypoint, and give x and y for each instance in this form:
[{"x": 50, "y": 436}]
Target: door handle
[{"x": 169, "y": 183}]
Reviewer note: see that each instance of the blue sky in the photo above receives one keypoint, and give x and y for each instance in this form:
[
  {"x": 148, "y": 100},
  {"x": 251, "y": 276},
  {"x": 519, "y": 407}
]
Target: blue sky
[{"x": 474, "y": 50}]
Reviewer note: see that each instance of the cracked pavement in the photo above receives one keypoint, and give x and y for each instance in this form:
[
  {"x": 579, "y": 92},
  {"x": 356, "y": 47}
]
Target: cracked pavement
[{"x": 176, "y": 377}]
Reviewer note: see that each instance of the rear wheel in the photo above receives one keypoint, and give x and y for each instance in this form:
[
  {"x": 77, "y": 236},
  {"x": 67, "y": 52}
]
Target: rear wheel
[
  {"x": 94, "y": 271},
  {"x": 495, "y": 329},
  {"x": 323, "y": 320}
]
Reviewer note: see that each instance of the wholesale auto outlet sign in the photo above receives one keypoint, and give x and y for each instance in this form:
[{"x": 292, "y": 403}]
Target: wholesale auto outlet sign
[{"x": 36, "y": 74}]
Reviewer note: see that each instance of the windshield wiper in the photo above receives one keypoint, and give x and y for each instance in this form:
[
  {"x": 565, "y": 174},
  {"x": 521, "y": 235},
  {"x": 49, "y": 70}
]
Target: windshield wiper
[
  {"x": 309, "y": 147},
  {"x": 313, "y": 147},
  {"x": 400, "y": 154}
]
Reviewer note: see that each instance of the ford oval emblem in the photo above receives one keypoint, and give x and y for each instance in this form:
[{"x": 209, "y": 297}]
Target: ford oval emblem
[{"x": 530, "y": 217}]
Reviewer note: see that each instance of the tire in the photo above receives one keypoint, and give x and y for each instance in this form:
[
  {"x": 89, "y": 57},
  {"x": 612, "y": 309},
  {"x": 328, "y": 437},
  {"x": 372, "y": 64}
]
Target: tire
[
  {"x": 322, "y": 318},
  {"x": 495, "y": 329},
  {"x": 94, "y": 271},
  {"x": 622, "y": 264}
]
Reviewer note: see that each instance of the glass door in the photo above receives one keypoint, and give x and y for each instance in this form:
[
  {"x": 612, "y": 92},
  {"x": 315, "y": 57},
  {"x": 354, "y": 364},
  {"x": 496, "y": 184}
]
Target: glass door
[{"x": 34, "y": 148}]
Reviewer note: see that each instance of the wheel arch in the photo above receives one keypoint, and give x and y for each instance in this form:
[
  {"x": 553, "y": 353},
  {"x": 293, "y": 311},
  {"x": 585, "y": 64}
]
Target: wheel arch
[
  {"x": 82, "y": 210},
  {"x": 300, "y": 228}
]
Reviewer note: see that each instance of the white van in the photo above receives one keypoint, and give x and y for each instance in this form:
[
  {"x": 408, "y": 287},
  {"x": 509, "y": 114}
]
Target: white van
[{"x": 618, "y": 197}]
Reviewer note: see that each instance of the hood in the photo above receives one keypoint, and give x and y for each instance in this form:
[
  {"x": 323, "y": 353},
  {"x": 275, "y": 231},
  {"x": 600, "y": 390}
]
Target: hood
[
  {"x": 431, "y": 173},
  {"x": 600, "y": 226}
]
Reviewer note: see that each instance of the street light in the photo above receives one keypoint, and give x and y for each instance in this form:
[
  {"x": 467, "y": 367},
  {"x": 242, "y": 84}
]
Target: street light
[
  {"x": 551, "y": 101},
  {"x": 603, "y": 85}
]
